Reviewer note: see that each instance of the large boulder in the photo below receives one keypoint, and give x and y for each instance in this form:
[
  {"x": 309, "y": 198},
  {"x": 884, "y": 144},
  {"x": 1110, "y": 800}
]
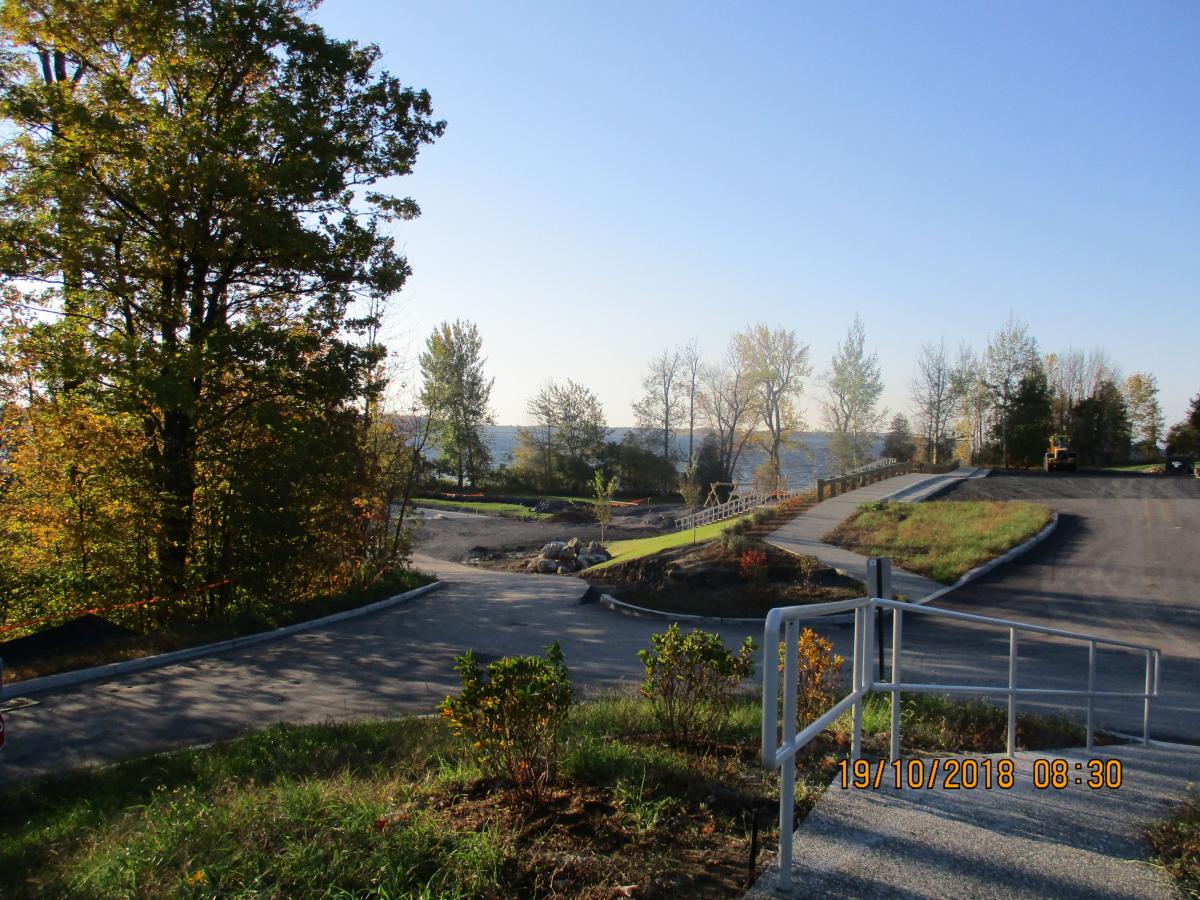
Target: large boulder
[
  {"x": 546, "y": 566},
  {"x": 553, "y": 549}
]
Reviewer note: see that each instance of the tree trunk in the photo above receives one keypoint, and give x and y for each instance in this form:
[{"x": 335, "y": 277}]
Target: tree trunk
[{"x": 177, "y": 480}]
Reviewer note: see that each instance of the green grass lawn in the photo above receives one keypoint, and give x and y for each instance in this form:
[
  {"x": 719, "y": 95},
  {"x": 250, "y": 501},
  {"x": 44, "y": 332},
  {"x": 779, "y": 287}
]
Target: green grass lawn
[
  {"x": 510, "y": 510},
  {"x": 1146, "y": 468},
  {"x": 636, "y": 548},
  {"x": 399, "y": 809},
  {"x": 941, "y": 540}
]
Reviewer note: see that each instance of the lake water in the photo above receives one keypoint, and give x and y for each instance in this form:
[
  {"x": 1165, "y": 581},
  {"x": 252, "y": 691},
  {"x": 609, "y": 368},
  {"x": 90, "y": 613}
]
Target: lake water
[{"x": 803, "y": 463}]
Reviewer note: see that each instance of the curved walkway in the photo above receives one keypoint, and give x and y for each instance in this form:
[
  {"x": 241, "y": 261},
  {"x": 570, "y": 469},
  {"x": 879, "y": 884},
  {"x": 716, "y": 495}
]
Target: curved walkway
[{"x": 803, "y": 534}]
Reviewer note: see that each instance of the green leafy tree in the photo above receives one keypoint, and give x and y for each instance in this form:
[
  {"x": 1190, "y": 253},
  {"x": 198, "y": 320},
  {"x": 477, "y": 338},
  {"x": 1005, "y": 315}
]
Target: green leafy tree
[
  {"x": 457, "y": 395},
  {"x": 1145, "y": 413},
  {"x": 1101, "y": 432},
  {"x": 853, "y": 387},
  {"x": 567, "y": 441},
  {"x": 196, "y": 183},
  {"x": 898, "y": 443}
]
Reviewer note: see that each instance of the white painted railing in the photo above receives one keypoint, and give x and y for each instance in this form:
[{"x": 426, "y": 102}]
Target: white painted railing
[
  {"x": 780, "y": 744},
  {"x": 731, "y": 508}
]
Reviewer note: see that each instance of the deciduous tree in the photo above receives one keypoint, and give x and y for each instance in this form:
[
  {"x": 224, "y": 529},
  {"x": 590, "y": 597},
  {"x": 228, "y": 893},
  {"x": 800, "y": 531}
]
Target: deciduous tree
[
  {"x": 457, "y": 395},
  {"x": 776, "y": 362},
  {"x": 853, "y": 387}
]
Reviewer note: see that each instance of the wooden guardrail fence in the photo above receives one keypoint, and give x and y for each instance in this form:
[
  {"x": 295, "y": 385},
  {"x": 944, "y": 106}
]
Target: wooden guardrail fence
[{"x": 832, "y": 487}]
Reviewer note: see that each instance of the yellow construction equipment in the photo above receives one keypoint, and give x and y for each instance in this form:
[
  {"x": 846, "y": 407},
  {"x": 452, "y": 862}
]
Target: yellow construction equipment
[{"x": 1060, "y": 455}]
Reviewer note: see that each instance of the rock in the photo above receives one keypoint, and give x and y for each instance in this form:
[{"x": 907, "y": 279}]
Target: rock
[
  {"x": 553, "y": 549},
  {"x": 564, "y": 570},
  {"x": 574, "y": 544},
  {"x": 546, "y": 566},
  {"x": 568, "y": 552}
]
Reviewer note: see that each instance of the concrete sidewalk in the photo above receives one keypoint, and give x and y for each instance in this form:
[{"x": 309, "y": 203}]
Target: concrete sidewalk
[
  {"x": 1018, "y": 843},
  {"x": 803, "y": 534}
]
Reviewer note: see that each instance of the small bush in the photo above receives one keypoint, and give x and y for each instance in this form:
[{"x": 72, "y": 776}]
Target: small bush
[
  {"x": 819, "y": 675},
  {"x": 513, "y": 718},
  {"x": 736, "y": 544},
  {"x": 808, "y": 565},
  {"x": 690, "y": 681},
  {"x": 753, "y": 565},
  {"x": 872, "y": 506},
  {"x": 761, "y": 515}
]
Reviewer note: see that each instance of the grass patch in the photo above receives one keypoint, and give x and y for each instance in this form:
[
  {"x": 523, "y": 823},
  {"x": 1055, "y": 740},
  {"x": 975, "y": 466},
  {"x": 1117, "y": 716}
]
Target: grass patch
[
  {"x": 636, "y": 548},
  {"x": 941, "y": 540},
  {"x": 935, "y": 723},
  {"x": 484, "y": 507},
  {"x": 1144, "y": 468},
  {"x": 397, "y": 809},
  {"x": 261, "y": 617},
  {"x": 1176, "y": 843}
]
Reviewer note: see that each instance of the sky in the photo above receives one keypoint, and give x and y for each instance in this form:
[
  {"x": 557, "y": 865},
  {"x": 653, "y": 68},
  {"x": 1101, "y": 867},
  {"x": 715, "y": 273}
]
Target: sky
[{"x": 619, "y": 178}]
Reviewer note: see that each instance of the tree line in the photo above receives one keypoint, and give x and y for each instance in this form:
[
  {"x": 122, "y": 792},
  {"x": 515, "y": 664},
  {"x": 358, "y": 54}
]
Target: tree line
[{"x": 996, "y": 406}]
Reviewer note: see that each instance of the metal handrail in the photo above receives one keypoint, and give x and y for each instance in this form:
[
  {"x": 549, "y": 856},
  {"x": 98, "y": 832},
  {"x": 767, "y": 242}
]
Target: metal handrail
[{"x": 780, "y": 744}]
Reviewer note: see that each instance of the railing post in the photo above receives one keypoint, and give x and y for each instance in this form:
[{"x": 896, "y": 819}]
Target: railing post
[
  {"x": 1012, "y": 692},
  {"x": 787, "y": 786},
  {"x": 1091, "y": 687},
  {"x": 897, "y": 637},
  {"x": 857, "y": 660},
  {"x": 1146, "y": 707}
]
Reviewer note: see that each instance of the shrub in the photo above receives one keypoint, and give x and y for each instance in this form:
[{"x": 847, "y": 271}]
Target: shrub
[
  {"x": 753, "y": 565},
  {"x": 760, "y": 515},
  {"x": 808, "y": 565},
  {"x": 872, "y": 506},
  {"x": 735, "y": 543},
  {"x": 819, "y": 675},
  {"x": 690, "y": 681},
  {"x": 513, "y": 717}
]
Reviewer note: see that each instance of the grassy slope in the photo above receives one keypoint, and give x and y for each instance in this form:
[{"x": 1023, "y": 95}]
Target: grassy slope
[
  {"x": 293, "y": 811},
  {"x": 636, "y": 548},
  {"x": 943, "y": 539}
]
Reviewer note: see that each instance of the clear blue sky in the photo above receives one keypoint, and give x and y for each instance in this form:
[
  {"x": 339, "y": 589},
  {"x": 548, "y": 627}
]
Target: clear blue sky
[{"x": 618, "y": 177}]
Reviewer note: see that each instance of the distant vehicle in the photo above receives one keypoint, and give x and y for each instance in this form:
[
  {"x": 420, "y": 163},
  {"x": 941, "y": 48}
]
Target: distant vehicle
[
  {"x": 1060, "y": 455},
  {"x": 1180, "y": 465}
]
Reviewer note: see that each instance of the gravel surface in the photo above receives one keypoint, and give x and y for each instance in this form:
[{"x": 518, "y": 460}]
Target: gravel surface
[{"x": 458, "y": 537}]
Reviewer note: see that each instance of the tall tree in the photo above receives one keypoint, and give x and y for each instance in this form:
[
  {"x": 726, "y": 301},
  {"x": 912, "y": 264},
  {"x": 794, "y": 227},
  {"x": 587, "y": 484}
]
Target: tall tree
[
  {"x": 660, "y": 411},
  {"x": 1101, "y": 432},
  {"x": 568, "y": 438},
  {"x": 936, "y": 389},
  {"x": 691, "y": 361},
  {"x": 1145, "y": 412},
  {"x": 216, "y": 160},
  {"x": 898, "y": 444},
  {"x": 1011, "y": 356},
  {"x": 853, "y": 387},
  {"x": 727, "y": 404},
  {"x": 457, "y": 395},
  {"x": 777, "y": 364}
]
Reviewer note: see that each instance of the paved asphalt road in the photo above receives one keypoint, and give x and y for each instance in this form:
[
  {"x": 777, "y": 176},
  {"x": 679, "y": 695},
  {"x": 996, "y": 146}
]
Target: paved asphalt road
[{"x": 1124, "y": 562}]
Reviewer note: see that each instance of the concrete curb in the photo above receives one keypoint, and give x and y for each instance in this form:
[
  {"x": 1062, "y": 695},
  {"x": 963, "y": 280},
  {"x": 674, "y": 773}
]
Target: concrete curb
[
  {"x": 640, "y": 612},
  {"x": 98, "y": 673},
  {"x": 1000, "y": 560}
]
